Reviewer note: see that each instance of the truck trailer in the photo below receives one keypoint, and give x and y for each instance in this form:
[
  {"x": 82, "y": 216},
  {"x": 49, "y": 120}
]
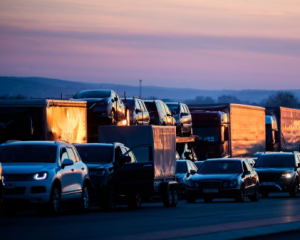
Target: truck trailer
[
  {"x": 154, "y": 148},
  {"x": 229, "y": 130},
  {"x": 282, "y": 129},
  {"x": 43, "y": 119}
]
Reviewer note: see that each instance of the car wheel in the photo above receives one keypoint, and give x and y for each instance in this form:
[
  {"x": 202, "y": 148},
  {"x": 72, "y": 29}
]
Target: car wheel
[
  {"x": 294, "y": 191},
  {"x": 255, "y": 196},
  {"x": 55, "y": 197},
  {"x": 85, "y": 199},
  {"x": 190, "y": 198},
  {"x": 113, "y": 117},
  {"x": 167, "y": 199},
  {"x": 134, "y": 201},
  {"x": 241, "y": 196},
  {"x": 174, "y": 198},
  {"x": 208, "y": 199},
  {"x": 108, "y": 203},
  {"x": 264, "y": 194}
]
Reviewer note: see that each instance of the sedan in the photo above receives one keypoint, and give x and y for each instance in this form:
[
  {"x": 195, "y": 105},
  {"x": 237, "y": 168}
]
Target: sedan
[{"x": 219, "y": 178}]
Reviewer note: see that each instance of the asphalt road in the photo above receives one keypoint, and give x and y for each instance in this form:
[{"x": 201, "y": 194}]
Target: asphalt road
[{"x": 152, "y": 221}]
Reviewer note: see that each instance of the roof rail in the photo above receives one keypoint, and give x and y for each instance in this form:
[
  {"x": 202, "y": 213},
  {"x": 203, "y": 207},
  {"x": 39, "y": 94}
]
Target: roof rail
[
  {"x": 59, "y": 140},
  {"x": 11, "y": 141}
]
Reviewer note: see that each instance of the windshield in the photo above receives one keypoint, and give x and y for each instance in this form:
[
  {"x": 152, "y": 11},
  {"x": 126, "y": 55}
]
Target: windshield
[
  {"x": 92, "y": 94},
  {"x": 173, "y": 108},
  {"x": 181, "y": 167},
  {"x": 208, "y": 134},
  {"x": 276, "y": 161},
  {"x": 95, "y": 154},
  {"x": 220, "y": 167},
  {"x": 28, "y": 154}
]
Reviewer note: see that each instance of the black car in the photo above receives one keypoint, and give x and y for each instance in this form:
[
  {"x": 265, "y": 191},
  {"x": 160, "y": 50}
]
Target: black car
[
  {"x": 103, "y": 107},
  {"x": 278, "y": 172},
  {"x": 183, "y": 171},
  {"x": 183, "y": 118},
  {"x": 160, "y": 113},
  {"x": 198, "y": 163},
  {"x": 114, "y": 173},
  {"x": 220, "y": 178},
  {"x": 138, "y": 112}
]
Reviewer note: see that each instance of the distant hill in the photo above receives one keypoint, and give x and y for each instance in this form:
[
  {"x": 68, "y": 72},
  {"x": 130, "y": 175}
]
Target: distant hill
[{"x": 35, "y": 87}]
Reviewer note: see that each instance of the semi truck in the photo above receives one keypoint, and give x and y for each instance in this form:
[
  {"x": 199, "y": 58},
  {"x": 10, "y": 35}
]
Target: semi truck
[
  {"x": 228, "y": 130},
  {"x": 282, "y": 129},
  {"x": 43, "y": 119},
  {"x": 154, "y": 148}
]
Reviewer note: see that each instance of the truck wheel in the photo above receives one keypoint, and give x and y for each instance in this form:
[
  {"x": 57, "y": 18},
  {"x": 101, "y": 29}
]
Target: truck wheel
[
  {"x": 294, "y": 191},
  {"x": 241, "y": 196},
  {"x": 167, "y": 198},
  {"x": 174, "y": 198},
  {"x": 84, "y": 203},
  {"x": 134, "y": 201},
  {"x": 108, "y": 202},
  {"x": 255, "y": 196},
  {"x": 54, "y": 202}
]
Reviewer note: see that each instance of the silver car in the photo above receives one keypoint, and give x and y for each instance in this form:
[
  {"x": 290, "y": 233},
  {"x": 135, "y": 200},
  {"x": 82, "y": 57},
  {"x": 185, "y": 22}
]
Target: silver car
[{"x": 42, "y": 172}]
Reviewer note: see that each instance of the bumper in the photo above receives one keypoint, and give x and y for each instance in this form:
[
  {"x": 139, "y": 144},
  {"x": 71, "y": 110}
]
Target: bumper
[
  {"x": 222, "y": 193},
  {"x": 278, "y": 186},
  {"x": 27, "y": 191}
]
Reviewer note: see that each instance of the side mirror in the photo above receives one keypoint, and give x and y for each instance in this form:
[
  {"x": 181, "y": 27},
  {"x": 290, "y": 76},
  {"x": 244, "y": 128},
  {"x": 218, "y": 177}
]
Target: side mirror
[
  {"x": 67, "y": 162},
  {"x": 193, "y": 172},
  {"x": 125, "y": 159},
  {"x": 116, "y": 99},
  {"x": 138, "y": 110}
]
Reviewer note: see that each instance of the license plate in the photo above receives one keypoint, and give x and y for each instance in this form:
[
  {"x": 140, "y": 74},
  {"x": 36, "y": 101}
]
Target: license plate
[
  {"x": 9, "y": 185},
  {"x": 210, "y": 190},
  {"x": 267, "y": 183}
]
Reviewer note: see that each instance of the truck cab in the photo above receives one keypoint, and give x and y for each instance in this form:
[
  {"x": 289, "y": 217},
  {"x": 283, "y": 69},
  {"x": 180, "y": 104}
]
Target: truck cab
[{"x": 272, "y": 139}]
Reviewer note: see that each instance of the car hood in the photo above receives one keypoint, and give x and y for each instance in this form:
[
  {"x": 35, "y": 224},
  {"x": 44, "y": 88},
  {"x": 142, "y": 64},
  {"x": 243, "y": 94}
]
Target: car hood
[
  {"x": 26, "y": 168},
  {"x": 180, "y": 175},
  {"x": 200, "y": 177},
  {"x": 95, "y": 166},
  {"x": 273, "y": 170}
]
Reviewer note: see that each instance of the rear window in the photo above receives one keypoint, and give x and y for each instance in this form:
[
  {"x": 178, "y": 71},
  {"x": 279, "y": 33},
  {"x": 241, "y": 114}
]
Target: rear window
[
  {"x": 28, "y": 154},
  {"x": 275, "y": 161},
  {"x": 181, "y": 167},
  {"x": 220, "y": 167},
  {"x": 95, "y": 154},
  {"x": 92, "y": 94},
  {"x": 151, "y": 106}
]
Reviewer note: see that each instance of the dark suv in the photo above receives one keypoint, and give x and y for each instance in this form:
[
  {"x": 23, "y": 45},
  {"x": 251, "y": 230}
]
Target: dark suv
[
  {"x": 138, "y": 112},
  {"x": 278, "y": 172},
  {"x": 160, "y": 113},
  {"x": 103, "y": 107},
  {"x": 182, "y": 116}
]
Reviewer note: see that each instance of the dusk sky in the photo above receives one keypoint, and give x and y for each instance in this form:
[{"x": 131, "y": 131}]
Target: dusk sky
[{"x": 219, "y": 44}]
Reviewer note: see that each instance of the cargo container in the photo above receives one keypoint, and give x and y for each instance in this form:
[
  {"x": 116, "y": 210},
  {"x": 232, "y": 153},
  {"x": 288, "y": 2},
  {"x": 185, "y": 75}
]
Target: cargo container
[
  {"x": 282, "y": 129},
  {"x": 230, "y": 130},
  {"x": 154, "y": 148},
  {"x": 43, "y": 119}
]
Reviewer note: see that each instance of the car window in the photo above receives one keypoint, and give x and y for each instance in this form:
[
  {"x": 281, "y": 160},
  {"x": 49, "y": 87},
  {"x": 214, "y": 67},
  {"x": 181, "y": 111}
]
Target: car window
[
  {"x": 95, "y": 154},
  {"x": 245, "y": 167},
  {"x": 194, "y": 167},
  {"x": 297, "y": 160},
  {"x": 181, "y": 167},
  {"x": 220, "y": 167},
  {"x": 173, "y": 107},
  {"x": 118, "y": 153},
  {"x": 76, "y": 154},
  {"x": 276, "y": 161},
  {"x": 249, "y": 166},
  {"x": 151, "y": 106},
  {"x": 141, "y": 105},
  {"x": 145, "y": 108},
  {"x": 63, "y": 154},
  {"x": 166, "y": 108},
  {"x": 160, "y": 107},
  {"x": 71, "y": 154},
  {"x": 182, "y": 109},
  {"x": 93, "y": 94},
  {"x": 186, "y": 109},
  {"x": 137, "y": 105}
]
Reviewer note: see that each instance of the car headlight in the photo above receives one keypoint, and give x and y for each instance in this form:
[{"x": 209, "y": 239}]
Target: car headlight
[
  {"x": 286, "y": 175},
  {"x": 97, "y": 173},
  {"x": 190, "y": 183},
  {"x": 40, "y": 176},
  {"x": 233, "y": 183}
]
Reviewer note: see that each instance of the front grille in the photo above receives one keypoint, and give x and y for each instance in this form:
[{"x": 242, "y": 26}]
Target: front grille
[
  {"x": 269, "y": 177},
  {"x": 15, "y": 177},
  {"x": 210, "y": 183},
  {"x": 14, "y": 191}
]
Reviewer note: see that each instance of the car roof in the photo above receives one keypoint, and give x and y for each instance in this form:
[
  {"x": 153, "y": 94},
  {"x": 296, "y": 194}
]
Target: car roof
[
  {"x": 34, "y": 143},
  {"x": 279, "y": 153},
  {"x": 225, "y": 159},
  {"x": 182, "y": 160},
  {"x": 94, "y": 144},
  {"x": 96, "y": 90}
]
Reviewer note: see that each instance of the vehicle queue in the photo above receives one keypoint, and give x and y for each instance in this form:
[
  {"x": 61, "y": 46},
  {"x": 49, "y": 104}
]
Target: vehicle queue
[{"x": 47, "y": 173}]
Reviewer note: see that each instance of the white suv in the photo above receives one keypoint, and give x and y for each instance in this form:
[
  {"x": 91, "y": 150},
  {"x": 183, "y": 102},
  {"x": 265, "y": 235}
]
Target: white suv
[{"x": 42, "y": 172}]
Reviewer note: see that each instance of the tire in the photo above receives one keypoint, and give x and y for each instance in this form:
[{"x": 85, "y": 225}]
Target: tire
[
  {"x": 264, "y": 194},
  {"x": 190, "y": 198},
  {"x": 174, "y": 198},
  {"x": 255, "y": 196},
  {"x": 108, "y": 203},
  {"x": 208, "y": 199},
  {"x": 167, "y": 198},
  {"x": 134, "y": 201},
  {"x": 294, "y": 191},
  {"x": 55, "y": 198},
  {"x": 241, "y": 196},
  {"x": 84, "y": 202}
]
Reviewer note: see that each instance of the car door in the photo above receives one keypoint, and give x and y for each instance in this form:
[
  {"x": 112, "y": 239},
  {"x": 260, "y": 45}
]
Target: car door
[
  {"x": 188, "y": 119},
  {"x": 135, "y": 177},
  {"x": 77, "y": 173},
  {"x": 67, "y": 176},
  {"x": 138, "y": 112},
  {"x": 247, "y": 179},
  {"x": 146, "y": 116}
]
